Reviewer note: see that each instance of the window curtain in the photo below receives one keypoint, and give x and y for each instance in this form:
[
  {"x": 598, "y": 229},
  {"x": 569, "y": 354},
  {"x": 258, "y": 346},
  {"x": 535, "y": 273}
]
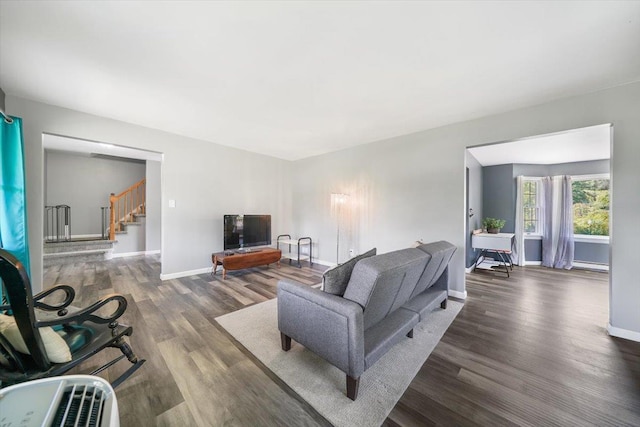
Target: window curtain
[
  {"x": 518, "y": 250},
  {"x": 13, "y": 203},
  {"x": 557, "y": 236}
]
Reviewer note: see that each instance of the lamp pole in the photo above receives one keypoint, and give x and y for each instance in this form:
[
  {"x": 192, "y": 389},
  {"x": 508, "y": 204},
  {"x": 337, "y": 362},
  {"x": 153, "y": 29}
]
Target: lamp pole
[{"x": 338, "y": 236}]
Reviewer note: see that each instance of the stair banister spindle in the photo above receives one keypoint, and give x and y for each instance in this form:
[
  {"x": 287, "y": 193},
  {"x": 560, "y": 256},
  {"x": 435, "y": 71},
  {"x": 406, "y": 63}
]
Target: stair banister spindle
[
  {"x": 112, "y": 216},
  {"x": 125, "y": 205}
]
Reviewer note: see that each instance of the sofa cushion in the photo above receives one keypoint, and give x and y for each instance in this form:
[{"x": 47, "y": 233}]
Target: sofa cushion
[
  {"x": 55, "y": 346},
  {"x": 383, "y": 283},
  {"x": 441, "y": 253},
  {"x": 335, "y": 280},
  {"x": 380, "y": 338}
]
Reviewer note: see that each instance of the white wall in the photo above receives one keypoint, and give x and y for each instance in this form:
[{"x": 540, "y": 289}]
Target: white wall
[
  {"x": 206, "y": 180},
  {"x": 84, "y": 183},
  {"x": 404, "y": 188},
  {"x": 475, "y": 202},
  {"x": 412, "y": 186},
  {"x": 153, "y": 206}
]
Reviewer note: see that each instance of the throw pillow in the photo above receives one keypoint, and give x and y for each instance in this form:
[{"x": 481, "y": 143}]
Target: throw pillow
[
  {"x": 57, "y": 350},
  {"x": 336, "y": 279}
]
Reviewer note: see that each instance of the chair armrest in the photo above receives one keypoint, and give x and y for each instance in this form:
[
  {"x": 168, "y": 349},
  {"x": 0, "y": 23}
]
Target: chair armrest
[
  {"x": 328, "y": 325},
  {"x": 89, "y": 313},
  {"x": 68, "y": 290}
]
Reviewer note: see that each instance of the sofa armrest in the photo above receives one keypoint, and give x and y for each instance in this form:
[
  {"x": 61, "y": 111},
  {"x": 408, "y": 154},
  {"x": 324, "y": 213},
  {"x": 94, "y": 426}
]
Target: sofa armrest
[{"x": 326, "y": 324}]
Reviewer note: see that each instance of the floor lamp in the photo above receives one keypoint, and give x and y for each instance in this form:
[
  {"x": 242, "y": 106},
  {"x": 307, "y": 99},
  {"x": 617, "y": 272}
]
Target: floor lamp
[{"x": 338, "y": 201}]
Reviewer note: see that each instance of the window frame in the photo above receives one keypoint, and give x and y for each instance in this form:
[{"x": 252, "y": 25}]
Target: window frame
[
  {"x": 589, "y": 238},
  {"x": 539, "y": 223}
]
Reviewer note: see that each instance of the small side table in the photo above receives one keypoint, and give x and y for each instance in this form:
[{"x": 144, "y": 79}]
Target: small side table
[
  {"x": 286, "y": 239},
  {"x": 500, "y": 243}
]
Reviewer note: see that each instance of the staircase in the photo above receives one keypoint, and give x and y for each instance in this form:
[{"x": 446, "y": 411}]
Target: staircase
[
  {"x": 57, "y": 253},
  {"x": 126, "y": 209}
]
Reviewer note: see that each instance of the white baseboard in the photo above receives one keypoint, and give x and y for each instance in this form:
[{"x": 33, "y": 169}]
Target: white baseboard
[
  {"x": 590, "y": 266},
  {"x": 327, "y": 263},
  {"x": 533, "y": 263},
  {"x": 469, "y": 269},
  {"x": 185, "y": 273},
  {"x": 128, "y": 254},
  {"x": 458, "y": 294},
  {"x": 623, "y": 333}
]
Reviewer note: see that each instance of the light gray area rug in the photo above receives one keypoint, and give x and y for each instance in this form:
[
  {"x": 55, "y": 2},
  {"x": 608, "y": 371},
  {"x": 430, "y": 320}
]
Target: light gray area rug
[{"x": 321, "y": 384}]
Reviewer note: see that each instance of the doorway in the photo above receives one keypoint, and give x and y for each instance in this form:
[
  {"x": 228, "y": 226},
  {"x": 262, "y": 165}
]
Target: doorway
[{"x": 79, "y": 176}]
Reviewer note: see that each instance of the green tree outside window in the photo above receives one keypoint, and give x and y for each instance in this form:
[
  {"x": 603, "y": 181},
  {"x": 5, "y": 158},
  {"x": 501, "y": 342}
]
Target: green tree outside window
[{"x": 591, "y": 207}]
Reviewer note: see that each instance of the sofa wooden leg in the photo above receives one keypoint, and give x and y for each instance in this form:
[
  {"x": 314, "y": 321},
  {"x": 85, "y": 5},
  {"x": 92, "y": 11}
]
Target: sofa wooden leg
[
  {"x": 410, "y": 333},
  {"x": 443, "y": 304},
  {"x": 286, "y": 342},
  {"x": 352, "y": 387}
]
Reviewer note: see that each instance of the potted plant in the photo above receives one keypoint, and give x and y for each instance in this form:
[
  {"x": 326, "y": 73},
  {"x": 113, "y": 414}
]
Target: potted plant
[{"x": 493, "y": 225}]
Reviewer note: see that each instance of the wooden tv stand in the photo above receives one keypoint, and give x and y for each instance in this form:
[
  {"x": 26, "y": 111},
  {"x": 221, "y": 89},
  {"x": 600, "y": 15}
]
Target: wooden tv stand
[{"x": 239, "y": 261}]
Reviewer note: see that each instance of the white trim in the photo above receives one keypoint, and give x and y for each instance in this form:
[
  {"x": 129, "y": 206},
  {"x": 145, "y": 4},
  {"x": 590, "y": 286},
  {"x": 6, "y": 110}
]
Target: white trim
[
  {"x": 585, "y": 238},
  {"x": 185, "y": 273},
  {"x": 591, "y": 266},
  {"x": 533, "y": 236},
  {"x": 590, "y": 177},
  {"x": 128, "y": 254},
  {"x": 327, "y": 263},
  {"x": 88, "y": 252},
  {"x": 533, "y": 263},
  {"x": 469, "y": 269},
  {"x": 458, "y": 294},
  {"x": 623, "y": 333}
]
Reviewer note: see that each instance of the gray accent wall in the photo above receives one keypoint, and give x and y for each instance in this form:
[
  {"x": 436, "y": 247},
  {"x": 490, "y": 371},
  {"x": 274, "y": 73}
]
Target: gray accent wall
[
  {"x": 596, "y": 253},
  {"x": 501, "y": 201},
  {"x": 403, "y": 188},
  {"x": 85, "y": 183},
  {"x": 533, "y": 250},
  {"x": 498, "y": 195}
]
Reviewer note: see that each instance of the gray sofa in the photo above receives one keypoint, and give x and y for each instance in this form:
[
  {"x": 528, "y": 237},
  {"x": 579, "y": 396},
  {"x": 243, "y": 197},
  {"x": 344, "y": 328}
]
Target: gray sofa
[{"x": 385, "y": 297}]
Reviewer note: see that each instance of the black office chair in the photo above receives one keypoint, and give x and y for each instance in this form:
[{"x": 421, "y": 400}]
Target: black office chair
[{"x": 84, "y": 330}]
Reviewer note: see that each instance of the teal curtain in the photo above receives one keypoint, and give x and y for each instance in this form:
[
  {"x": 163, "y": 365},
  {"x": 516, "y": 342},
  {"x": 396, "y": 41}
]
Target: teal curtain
[{"x": 13, "y": 200}]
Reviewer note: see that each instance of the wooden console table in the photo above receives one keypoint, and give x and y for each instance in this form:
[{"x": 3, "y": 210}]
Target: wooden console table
[{"x": 248, "y": 259}]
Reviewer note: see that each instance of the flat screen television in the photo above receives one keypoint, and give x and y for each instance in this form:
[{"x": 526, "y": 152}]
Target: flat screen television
[{"x": 243, "y": 231}]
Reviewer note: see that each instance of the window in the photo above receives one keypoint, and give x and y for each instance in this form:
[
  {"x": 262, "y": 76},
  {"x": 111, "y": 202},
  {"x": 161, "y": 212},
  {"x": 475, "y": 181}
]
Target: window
[
  {"x": 590, "y": 205},
  {"x": 531, "y": 206}
]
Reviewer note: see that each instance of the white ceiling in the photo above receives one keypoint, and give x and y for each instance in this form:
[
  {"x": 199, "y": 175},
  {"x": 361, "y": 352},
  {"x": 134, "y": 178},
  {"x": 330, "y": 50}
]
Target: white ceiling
[
  {"x": 297, "y": 79},
  {"x": 579, "y": 145}
]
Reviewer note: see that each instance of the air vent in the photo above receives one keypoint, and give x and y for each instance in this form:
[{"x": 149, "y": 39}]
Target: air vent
[{"x": 81, "y": 405}]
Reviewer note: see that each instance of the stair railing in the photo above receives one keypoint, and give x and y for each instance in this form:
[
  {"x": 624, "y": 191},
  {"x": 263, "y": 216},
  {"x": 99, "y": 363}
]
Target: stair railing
[
  {"x": 125, "y": 205},
  {"x": 57, "y": 224},
  {"x": 104, "y": 213}
]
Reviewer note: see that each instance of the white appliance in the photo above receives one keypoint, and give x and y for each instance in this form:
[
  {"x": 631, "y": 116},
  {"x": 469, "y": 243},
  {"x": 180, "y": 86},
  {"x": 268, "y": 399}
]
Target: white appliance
[{"x": 71, "y": 400}]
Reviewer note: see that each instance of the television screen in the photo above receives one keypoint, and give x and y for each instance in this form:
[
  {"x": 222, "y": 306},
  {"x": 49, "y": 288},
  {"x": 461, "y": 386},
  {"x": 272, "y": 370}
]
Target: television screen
[{"x": 242, "y": 231}]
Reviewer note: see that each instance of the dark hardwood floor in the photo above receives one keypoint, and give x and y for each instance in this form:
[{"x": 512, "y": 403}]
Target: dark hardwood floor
[{"x": 529, "y": 350}]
